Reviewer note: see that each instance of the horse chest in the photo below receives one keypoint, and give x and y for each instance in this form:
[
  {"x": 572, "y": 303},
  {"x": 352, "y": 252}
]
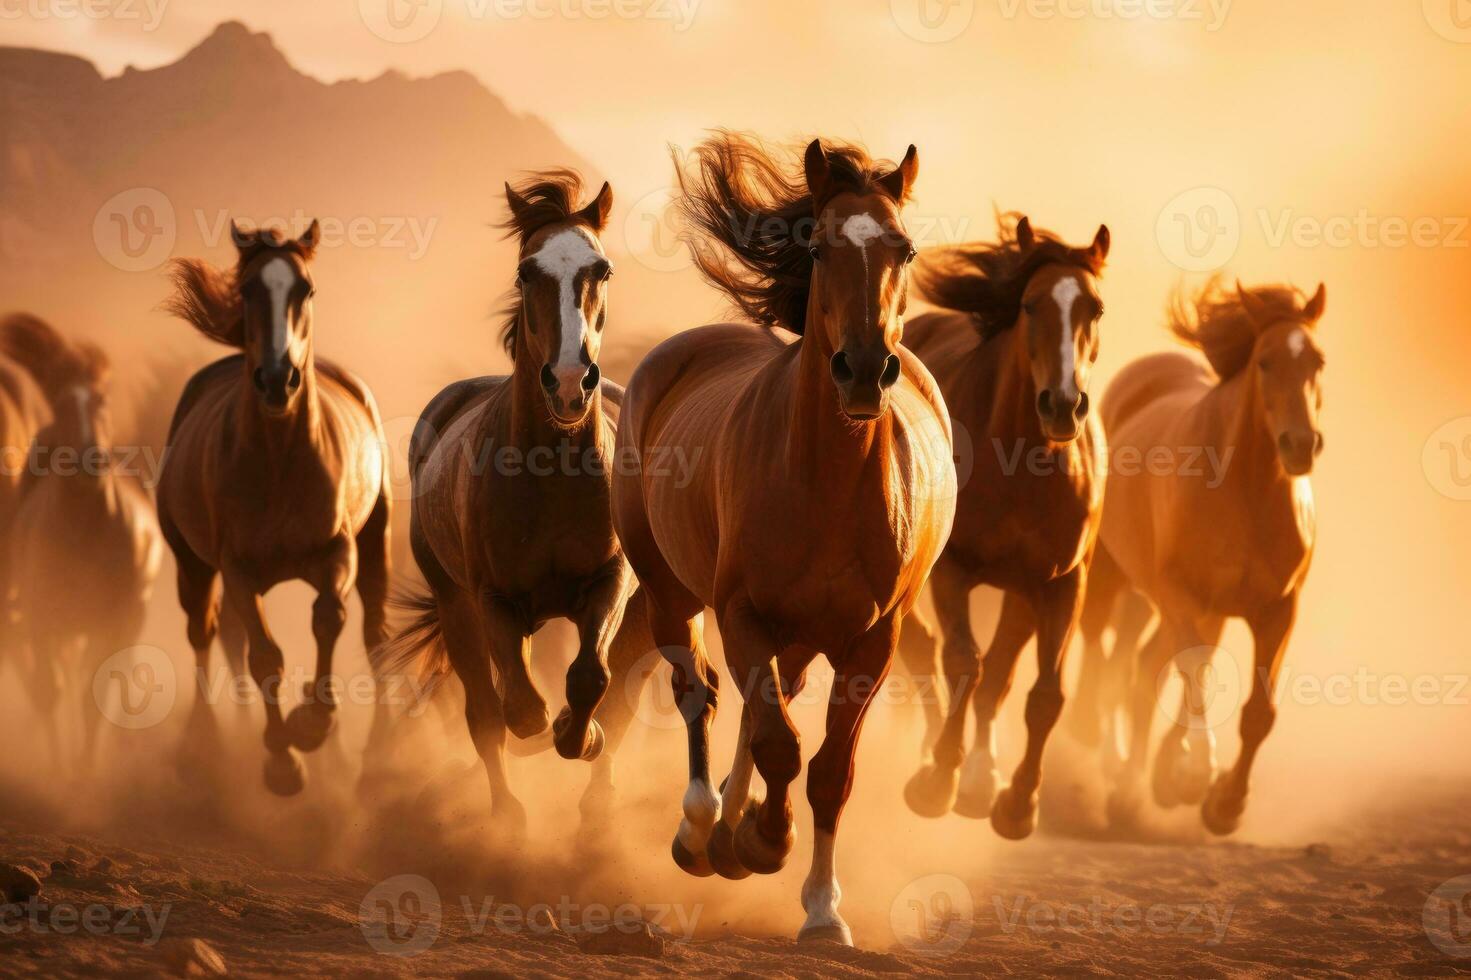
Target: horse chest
[
  {"x": 1255, "y": 554},
  {"x": 546, "y": 536}
]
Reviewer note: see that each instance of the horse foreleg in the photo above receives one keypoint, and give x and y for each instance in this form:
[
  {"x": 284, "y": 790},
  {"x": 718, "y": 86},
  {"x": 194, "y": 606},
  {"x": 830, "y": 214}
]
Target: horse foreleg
[
  {"x": 830, "y": 778},
  {"x": 931, "y": 791},
  {"x": 312, "y": 721},
  {"x": 1058, "y": 605},
  {"x": 284, "y": 774},
  {"x": 1226, "y": 801},
  {"x": 1185, "y": 765},
  {"x": 525, "y": 710},
  {"x": 979, "y": 779},
  {"x": 1155, "y": 657},
  {"x": 575, "y": 733},
  {"x": 632, "y": 658}
]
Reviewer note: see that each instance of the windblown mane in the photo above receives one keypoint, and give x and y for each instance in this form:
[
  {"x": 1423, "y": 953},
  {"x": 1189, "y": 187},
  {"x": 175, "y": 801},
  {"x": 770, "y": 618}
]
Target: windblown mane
[
  {"x": 757, "y": 217},
  {"x": 988, "y": 279},
  {"x": 209, "y": 298},
  {"x": 551, "y": 196},
  {"x": 1217, "y": 324},
  {"x": 55, "y": 362}
]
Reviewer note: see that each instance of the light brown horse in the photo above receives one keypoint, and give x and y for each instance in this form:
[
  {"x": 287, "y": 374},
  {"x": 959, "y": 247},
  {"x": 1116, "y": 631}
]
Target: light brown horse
[
  {"x": 276, "y": 470},
  {"x": 1206, "y": 542},
  {"x": 85, "y": 547},
  {"x": 512, "y": 519},
  {"x": 23, "y": 412},
  {"x": 1013, "y": 355},
  {"x": 820, "y": 492}
]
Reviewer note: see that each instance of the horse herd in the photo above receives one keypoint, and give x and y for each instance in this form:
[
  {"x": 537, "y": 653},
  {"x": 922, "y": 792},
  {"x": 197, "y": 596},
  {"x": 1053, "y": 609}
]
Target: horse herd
[{"x": 822, "y": 495}]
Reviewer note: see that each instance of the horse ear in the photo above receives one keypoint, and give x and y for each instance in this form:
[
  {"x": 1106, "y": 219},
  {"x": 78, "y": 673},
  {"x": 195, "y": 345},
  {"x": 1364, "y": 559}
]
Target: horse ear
[
  {"x": 1253, "y": 306},
  {"x": 1099, "y": 249},
  {"x": 1314, "y": 310},
  {"x": 517, "y": 204},
  {"x": 596, "y": 213},
  {"x": 815, "y": 166},
  {"x": 1024, "y": 236},
  {"x": 243, "y": 239},
  {"x": 311, "y": 239},
  {"x": 901, "y": 180}
]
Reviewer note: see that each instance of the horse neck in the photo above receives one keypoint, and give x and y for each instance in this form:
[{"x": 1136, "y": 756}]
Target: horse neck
[
  {"x": 821, "y": 438},
  {"x": 259, "y": 430},
  {"x": 531, "y": 420},
  {"x": 1240, "y": 416}
]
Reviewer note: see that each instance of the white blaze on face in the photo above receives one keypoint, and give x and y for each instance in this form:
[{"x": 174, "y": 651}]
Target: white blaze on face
[
  {"x": 861, "y": 229},
  {"x": 84, "y": 415},
  {"x": 1297, "y": 342},
  {"x": 563, "y": 256},
  {"x": 278, "y": 276},
  {"x": 1065, "y": 293}
]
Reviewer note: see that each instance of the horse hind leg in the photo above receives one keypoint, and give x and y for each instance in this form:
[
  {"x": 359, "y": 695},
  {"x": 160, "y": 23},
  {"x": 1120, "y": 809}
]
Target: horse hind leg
[
  {"x": 1185, "y": 764},
  {"x": 372, "y": 585},
  {"x": 919, "y": 651},
  {"x": 200, "y": 600},
  {"x": 1086, "y": 718}
]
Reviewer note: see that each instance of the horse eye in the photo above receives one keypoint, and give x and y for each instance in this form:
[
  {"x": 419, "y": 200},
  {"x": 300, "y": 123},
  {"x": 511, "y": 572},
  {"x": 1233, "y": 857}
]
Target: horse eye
[
  {"x": 812, "y": 251},
  {"x": 912, "y": 255}
]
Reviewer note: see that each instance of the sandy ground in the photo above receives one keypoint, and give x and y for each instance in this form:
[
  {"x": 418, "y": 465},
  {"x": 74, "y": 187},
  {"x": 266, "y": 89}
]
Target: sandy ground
[{"x": 259, "y": 894}]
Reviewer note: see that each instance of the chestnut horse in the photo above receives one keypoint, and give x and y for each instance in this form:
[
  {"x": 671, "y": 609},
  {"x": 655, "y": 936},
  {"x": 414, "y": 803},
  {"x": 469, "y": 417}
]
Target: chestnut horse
[
  {"x": 1201, "y": 543},
  {"x": 85, "y": 547},
  {"x": 276, "y": 471},
  {"x": 821, "y": 488},
  {"x": 1013, "y": 354},
  {"x": 23, "y": 411},
  {"x": 512, "y": 519}
]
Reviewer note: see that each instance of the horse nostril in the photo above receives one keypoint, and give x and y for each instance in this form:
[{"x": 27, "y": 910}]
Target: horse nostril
[
  {"x": 293, "y": 381},
  {"x": 842, "y": 373},
  {"x": 548, "y": 379},
  {"x": 258, "y": 378},
  {"x": 892, "y": 370},
  {"x": 591, "y": 378},
  {"x": 1317, "y": 443},
  {"x": 1081, "y": 411},
  {"x": 1044, "y": 403},
  {"x": 1284, "y": 443}
]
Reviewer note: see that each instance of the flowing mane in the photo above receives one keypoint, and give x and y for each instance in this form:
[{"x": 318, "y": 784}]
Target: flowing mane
[
  {"x": 209, "y": 298},
  {"x": 549, "y": 196},
  {"x": 988, "y": 279},
  {"x": 756, "y": 217},
  {"x": 1216, "y": 323},
  {"x": 55, "y": 362}
]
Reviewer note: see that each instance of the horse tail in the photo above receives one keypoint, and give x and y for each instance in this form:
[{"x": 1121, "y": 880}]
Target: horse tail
[{"x": 418, "y": 648}]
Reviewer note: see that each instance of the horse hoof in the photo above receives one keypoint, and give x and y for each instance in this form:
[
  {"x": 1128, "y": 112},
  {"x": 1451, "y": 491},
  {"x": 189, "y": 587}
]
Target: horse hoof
[
  {"x": 757, "y": 853},
  {"x": 931, "y": 791},
  {"x": 285, "y": 775},
  {"x": 723, "y": 854},
  {"x": 977, "y": 793},
  {"x": 308, "y": 725},
  {"x": 826, "y": 932},
  {"x": 1222, "y": 812},
  {"x": 568, "y": 746},
  {"x": 693, "y": 864},
  {"x": 1012, "y": 816}
]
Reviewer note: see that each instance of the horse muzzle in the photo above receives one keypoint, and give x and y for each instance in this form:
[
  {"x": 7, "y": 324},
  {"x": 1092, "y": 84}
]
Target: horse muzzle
[
  {"x": 1298, "y": 450},
  {"x": 277, "y": 385},
  {"x": 864, "y": 379},
  {"x": 569, "y": 390},
  {"x": 1062, "y": 413}
]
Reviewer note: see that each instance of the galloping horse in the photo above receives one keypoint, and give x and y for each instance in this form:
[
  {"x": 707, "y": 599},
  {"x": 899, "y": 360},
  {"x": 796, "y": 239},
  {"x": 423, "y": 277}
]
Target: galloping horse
[
  {"x": 821, "y": 488},
  {"x": 1203, "y": 547},
  {"x": 23, "y": 411},
  {"x": 1012, "y": 355},
  {"x": 275, "y": 471},
  {"x": 512, "y": 516},
  {"x": 85, "y": 546}
]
